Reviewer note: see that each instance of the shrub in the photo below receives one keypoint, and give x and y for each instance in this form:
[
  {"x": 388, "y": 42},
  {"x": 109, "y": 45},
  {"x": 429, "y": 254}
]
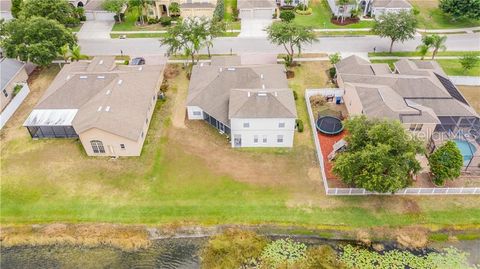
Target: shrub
[
  {"x": 299, "y": 125},
  {"x": 334, "y": 58},
  {"x": 332, "y": 72},
  {"x": 16, "y": 89},
  {"x": 308, "y": 11},
  {"x": 165, "y": 21},
  {"x": 295, "y": 95},
  {"x": 469, "y": 61},
  {"x": 445, "y": 163},
  {"x": 152, "y": 21},
  {"x": 232, "y": 249},
  {"x": 174, "y": 9},
  {"x": 287, "y": 16},
  {"x": 219, "y": 11},
  {"x": 126, "y": 62}
]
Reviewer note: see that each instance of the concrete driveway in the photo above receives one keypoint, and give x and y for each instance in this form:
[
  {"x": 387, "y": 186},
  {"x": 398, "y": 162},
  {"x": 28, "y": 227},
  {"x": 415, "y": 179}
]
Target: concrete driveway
[
  {"x": 95, "y": 30},
  {"x": 254, "y": 27}
]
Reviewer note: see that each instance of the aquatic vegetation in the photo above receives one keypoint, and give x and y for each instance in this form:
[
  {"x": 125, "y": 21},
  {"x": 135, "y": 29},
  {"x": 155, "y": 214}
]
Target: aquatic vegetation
[{"x": 283, "y": 252}]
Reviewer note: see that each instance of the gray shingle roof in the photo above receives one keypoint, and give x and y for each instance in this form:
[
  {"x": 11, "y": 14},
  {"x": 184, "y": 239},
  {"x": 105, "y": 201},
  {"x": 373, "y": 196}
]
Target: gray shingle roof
[
  {"x": 272, "y": 103},
  {"x": 9, "y": 69}
]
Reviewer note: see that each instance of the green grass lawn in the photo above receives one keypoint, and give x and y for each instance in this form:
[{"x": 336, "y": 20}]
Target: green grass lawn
[
  {"x": 129, "y": 23},
  {"x": 190, "y": 175},
  {"x": 416, "y": 53},
  {"x": 343, "y": 33},
  {"x": 230, "y": 5},
  {"x": 431, "y": 17},
  {"x": 451, "y": 67},
  {"x": 320, "y": 18}
]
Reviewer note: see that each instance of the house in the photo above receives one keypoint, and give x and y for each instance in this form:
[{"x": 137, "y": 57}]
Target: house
[
  {"x": 256, "y": 9},
  {"x": 188, "y": 8},
  {"x": 370, "y": 8},
  {"x": 13, "y": 76},
  {"x": 108, "y": 107},
  {"x": 418, "y": 94},
  {"x": 250, "y": 102}
]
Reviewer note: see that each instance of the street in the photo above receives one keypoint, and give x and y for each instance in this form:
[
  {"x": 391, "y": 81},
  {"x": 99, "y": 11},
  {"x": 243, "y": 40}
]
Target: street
[{"x": 225, "y": 45}]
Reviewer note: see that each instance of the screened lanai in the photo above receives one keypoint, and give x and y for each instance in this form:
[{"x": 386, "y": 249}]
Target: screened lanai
[{"x": 51, "y": 123}]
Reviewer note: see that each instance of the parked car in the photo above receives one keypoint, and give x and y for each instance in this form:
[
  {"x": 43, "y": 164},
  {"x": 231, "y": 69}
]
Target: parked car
[{"x": 137, "y": 61}]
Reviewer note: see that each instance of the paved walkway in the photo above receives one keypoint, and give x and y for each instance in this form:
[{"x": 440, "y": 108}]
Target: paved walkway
[
  {"x": 95, "y": 30},
  {"x": 465, "y": 81}
]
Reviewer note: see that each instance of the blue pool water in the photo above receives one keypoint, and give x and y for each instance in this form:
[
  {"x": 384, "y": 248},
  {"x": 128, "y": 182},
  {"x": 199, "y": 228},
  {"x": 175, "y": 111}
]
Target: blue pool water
[{"x": 467, "y": 149}]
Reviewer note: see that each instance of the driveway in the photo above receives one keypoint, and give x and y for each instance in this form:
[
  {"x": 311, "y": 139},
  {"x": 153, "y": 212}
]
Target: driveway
[
  {"x": 254, "y": 27},
  {"x": 95, "y": 30}
]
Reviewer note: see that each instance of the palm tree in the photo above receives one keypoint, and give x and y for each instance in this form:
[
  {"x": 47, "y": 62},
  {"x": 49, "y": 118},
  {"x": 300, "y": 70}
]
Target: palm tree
[
  {"x": 423, "y": 49},
  {"x": 76, "y": 55},
  {"x": 64, "y": 50},
  {"x": 438, "y": 43}
]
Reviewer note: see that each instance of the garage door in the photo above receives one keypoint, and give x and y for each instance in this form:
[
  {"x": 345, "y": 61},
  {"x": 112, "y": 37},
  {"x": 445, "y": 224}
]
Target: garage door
[{"x": 259, "y": 13}]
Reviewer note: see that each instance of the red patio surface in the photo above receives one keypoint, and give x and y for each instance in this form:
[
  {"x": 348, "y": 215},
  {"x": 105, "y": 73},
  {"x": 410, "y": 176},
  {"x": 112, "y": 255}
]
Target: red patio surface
[{"x": 326, "y": 146}]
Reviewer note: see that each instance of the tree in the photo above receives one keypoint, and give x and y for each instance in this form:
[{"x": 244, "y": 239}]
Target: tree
[
  {"x": 380, "y": 155},
  {"x": 334, "y": 58},
  {"x": 399, "y": 26},
  {"x": 64, "y": 53},
  {"x": 114, "y": 6},
  {"x": 461, "y": 9},
  {"x": 291, "y": 36},
  {"x": 438, "y": 43},
  {"x": 37, "y": 39},
  {"x": 76, "y": 55},
  {"x": 287, "y": 15},
  {"x": 445, "y": 163},
  {"x": 174, "y": 9},
  {"x": 469, "y": 61},
  {"x": 59, "y": 10},
  {"x": 139, "y": 5},
  {"x": 343, "y": 4},
  {"x": 16, "y": 8},
  {"x": 283, "y": 252},
  {"x": 188, "y": 37},
  {"x": 423, "y": 50},
  {"x": 214, "y": 30}
]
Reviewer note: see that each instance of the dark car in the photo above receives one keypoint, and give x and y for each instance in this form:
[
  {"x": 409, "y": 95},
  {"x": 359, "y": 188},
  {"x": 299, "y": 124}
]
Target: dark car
[{"x": 137, "y": 61}]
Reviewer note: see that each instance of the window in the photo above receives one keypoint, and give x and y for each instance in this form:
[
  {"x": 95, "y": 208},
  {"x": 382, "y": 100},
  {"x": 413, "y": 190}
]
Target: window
[
  {"x": 264, "y": 140},
  {"x": 246, "y": 125},
  {"x": 279, "y": 138},
  {"x": 197, "y": 113},
  {"x": 255, "y": 139},
  {"x": 5, "y": 93},
  {"x": 97, "y": 146},
  {"x": 122, "y": 146},
  {"x": 416, "y": 127},
  {"x": 281, "y": 125}
]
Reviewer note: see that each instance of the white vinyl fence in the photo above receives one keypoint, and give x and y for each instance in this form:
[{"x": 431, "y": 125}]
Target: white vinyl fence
[
  {"x": 14, "y": 104},
  {"x": 360, "y": 191}
]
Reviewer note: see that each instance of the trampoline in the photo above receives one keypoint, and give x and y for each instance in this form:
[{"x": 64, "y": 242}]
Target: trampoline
[{"x": 329, "y": 125}]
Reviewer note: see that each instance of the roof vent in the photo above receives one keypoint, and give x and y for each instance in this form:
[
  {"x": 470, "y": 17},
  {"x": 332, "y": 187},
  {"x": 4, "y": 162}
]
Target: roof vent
[
  {"x": 100, "y": 77},
  {"x": 83, "y": 77},
  {"x": 276, "y": 94},
  {"x": 263, "y": 94},
  {"x": 140, "y": 68},
  {"x": 201, "y": 64},
  {"x": 231, "y": 69},
  {"x": 101, "y": 62},
  {"x": 68, "y": 77},
  {"x": 220, "y": 69},
  {"x": 107, "y": 108},
  {"x": 108, "y": 92},
  {"x": 263, "y": 86},
  {"x": 248, "y": 94},
  {"x": 261, "y": 76},
  {"x": 120, "y": 82},
  {"x": 99, "y": 108}
]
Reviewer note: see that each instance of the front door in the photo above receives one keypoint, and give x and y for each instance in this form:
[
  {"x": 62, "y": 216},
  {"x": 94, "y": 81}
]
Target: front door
[{"x": 237, "y": 141}]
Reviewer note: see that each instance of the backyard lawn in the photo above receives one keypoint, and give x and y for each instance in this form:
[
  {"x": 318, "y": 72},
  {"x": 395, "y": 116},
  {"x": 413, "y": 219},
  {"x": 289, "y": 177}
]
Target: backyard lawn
[
  {"x": 452, "y": 67},
  {"x": 188, "y": 174},
  {"x": 472, "y": 94},
  {"x": 320, "y": 18},
  {"x": 431, "y": 17}
]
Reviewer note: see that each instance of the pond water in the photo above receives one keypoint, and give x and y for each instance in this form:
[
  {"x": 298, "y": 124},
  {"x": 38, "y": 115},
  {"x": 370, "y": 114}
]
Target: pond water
[{"x": 164, "y": 253}]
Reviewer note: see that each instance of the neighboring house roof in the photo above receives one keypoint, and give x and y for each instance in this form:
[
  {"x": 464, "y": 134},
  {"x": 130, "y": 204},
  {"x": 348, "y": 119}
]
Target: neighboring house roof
[
  {"x": 212, "y": 87},
  {"x": 419, "y": 93},
  {"x": 247, "y": 4},
  {"x": 391, "y": 4},
  {"x": 258, "y": 103},
  {"x": 115, "y": 99},
  {"x": 9, "y": 69}
]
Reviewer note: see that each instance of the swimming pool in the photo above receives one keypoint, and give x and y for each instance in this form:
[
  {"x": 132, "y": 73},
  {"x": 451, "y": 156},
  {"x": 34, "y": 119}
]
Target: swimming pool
[{"x": 467, "y": 149}]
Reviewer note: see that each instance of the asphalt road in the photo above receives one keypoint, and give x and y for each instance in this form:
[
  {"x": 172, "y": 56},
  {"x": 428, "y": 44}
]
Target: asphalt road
[{"x": 151, "y": 46}]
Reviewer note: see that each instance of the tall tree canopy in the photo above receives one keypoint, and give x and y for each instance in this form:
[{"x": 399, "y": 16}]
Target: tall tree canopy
[
  {"x": 461, "y": 9},
  {"x": 59, "y": 10},
  {"x": 399, "y": 26},
  {"x": 291, "y": 36},
  {"x": 380, "y": 155},
  {"x": 16, "y": 8},
  {"x": 38, "y": 40},
  {"x": 446, "y": 163},
  {"x": 114, "y": 6}
]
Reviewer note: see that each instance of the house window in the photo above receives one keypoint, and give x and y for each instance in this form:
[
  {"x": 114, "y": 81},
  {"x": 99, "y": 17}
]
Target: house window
[
  {"x": 279, "y": 138},
  {"x": 281, "y": 125},
  {"x": 97, "y": 146},
  {"x": 122, "y": 146},
  {"x": 197, "y": 113},
  {"x": 255, "y": 139},
  {"x": 246, "y": 125},
  {"x": 416, "y": 127},
  {"x": 264, "y": 140},
  {"x": 5, "y": 93}
]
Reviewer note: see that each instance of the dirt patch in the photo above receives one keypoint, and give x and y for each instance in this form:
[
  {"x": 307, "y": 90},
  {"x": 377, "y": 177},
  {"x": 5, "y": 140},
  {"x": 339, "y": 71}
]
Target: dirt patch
[
  {"x": 346, "y": 21},
  {"x": 171, "y": 71},
  {"x": 413, "y": 238}
]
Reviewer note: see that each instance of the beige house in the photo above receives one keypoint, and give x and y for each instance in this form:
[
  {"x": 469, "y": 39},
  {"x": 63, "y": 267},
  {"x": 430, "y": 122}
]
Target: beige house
[
  {"x": 108, "y": 107},
  {"x": 13, "y": 73},
  {"x": 188, "y": 8},
  {"x": 418, "y": 94}
]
